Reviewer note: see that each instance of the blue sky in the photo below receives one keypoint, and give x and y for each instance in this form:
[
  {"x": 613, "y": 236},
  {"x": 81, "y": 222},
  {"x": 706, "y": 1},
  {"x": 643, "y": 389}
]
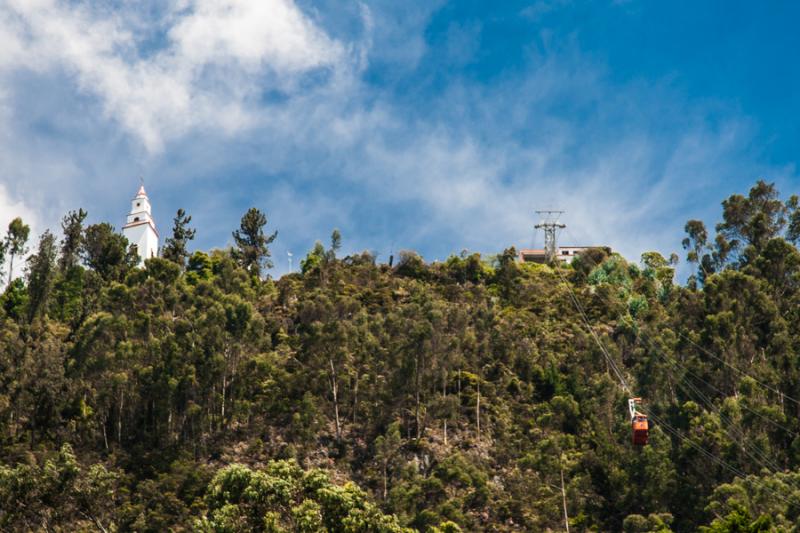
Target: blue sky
[{"x": 435, "y": 126}]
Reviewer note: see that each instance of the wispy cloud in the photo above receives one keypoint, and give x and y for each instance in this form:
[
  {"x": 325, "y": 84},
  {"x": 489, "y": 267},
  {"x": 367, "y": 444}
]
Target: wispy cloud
[{"x": 214, "y": 57}]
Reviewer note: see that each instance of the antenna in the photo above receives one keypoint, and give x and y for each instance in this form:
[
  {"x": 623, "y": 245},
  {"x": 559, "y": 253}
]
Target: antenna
[{"x": 549, "y": 223}]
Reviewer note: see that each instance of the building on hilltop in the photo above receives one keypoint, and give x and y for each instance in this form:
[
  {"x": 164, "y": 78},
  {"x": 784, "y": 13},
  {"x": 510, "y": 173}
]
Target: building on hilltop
[
  {"x": 140, "y": 228},
  {"x": 565, "y": 254}
]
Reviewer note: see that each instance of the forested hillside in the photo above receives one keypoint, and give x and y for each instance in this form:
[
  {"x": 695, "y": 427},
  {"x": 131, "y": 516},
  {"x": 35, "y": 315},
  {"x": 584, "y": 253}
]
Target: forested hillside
[{"x": 199, "y": 394}]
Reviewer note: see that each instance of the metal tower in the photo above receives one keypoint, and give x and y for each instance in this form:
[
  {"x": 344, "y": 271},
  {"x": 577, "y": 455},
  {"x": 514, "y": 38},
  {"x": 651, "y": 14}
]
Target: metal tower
[{"x": 550, "y": 224}]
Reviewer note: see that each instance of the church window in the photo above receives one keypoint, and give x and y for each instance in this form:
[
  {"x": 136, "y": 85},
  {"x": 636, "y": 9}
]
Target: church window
[{"x": 136, "y": 219}]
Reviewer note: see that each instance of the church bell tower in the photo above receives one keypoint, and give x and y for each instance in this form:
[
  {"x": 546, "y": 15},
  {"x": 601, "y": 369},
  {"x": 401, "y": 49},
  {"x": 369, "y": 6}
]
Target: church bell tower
[{"x": 140, "y": 229}]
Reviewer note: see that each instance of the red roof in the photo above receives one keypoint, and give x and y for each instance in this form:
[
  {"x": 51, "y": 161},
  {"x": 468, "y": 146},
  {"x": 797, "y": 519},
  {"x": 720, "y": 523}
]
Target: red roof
[{"x": 531, "y": 251}]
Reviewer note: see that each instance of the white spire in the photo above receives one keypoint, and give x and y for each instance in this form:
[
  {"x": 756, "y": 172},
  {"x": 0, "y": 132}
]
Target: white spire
[{"x": 140, "y": 228}]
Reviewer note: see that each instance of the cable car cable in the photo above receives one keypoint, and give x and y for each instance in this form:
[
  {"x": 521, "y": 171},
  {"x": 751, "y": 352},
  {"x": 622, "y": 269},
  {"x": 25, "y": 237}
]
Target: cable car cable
[
  {"x": 658, "y": 420},
  {"x": 714, "y": 356},
  {"x": 732, "y": 427},
  {"x": 588, "y": 325},
  {"x": 717, "y": 357},
  {"x": 757, "y": 455},
  {"x": 753, "y": 478},
  {"x": 643, "y": 335}
]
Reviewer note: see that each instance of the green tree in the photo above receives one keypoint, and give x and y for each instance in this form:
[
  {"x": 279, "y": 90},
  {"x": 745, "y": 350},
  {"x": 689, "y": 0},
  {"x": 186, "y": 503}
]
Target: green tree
[
  {"x": 15, "y": 242},
  {"x": 696, "y": 245},
  {"x": 336, "y": 243},
  {"x": 410, "y": 264},
  {"x": 749, "y": 222},
  {"x": 106, "y": 252},
  {"x": 314, "y": 259},
  {"x": 653, "y": 523},
  {"x": 41, "y": 275},
  {"x": 387, "y": 447},
  {"x": 72, "y": 242},
  {"x": 15, "y": 299},
  {"x": 739, "y": 521},
  {"x": 58, "y": 495},
  {"x": 252, "y": 245},
  {"x": 285, "y": 498},
  {"x": 175, "y": 249},
  {"x": 793, "y": 210}
]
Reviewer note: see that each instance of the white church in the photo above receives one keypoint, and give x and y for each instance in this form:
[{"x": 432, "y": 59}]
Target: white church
[{"x": 140, "y": 228}]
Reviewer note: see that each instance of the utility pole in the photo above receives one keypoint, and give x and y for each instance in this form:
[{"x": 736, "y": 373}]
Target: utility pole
[{"x": 550, "y": 224}]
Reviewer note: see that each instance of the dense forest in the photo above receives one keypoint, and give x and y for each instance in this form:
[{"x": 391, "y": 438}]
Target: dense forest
[{"x": 197, "y": 393}]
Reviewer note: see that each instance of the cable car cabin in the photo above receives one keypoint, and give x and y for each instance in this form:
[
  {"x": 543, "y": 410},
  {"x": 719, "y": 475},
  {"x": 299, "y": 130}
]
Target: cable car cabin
[
  {"x": 639, "y": 423},
  {"x": 640, "y": 428}
]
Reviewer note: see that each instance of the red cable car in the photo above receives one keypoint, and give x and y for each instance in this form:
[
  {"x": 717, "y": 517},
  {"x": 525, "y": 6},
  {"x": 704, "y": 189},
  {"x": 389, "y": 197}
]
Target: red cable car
[{"x": 639, "y": 423}]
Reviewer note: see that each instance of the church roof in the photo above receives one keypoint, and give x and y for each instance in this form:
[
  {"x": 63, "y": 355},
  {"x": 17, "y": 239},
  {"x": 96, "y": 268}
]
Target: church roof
[{"x": 141, "y": 192}]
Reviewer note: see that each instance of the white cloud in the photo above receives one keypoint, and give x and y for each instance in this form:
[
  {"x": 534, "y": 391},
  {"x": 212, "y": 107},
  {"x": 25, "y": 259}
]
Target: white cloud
[
  {"x": 11, "y": 208},
  {"x": 214, "y": 57},
  {"x": 254, "y": 34}
]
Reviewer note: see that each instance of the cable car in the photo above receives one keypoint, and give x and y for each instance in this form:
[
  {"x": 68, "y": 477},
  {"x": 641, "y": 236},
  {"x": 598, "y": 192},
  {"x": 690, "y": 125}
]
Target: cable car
[{"x": 639, "y": 423}]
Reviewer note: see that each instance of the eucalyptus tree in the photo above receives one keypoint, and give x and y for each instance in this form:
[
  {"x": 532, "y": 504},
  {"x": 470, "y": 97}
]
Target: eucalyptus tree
[
  {"x": 41, "y": 275},
  {"x": 15, "y": 242},
  {"x": 72, "y": 241}
]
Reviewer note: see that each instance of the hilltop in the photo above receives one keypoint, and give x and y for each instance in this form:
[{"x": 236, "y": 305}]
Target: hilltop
[{"x": 478, "y": 395}]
